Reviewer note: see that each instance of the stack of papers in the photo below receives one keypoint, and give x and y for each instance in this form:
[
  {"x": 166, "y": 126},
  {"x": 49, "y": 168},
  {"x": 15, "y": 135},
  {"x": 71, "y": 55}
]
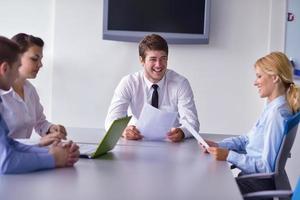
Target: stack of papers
[{"x": 154, "y": 124}]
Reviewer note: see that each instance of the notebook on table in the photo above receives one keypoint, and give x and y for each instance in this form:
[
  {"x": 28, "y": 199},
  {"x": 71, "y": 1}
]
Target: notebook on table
[{"x": 108, "y": 142}]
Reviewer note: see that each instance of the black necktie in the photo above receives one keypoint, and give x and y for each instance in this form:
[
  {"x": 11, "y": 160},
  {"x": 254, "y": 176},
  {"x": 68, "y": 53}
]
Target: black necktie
[{"x": 154, "y": 101}]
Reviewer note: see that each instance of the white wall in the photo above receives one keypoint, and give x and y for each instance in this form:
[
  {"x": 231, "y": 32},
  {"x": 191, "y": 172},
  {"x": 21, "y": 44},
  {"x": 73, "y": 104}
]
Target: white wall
[
  {"x": 34, "y": 17},
  {"x": 87, "y": 68}
]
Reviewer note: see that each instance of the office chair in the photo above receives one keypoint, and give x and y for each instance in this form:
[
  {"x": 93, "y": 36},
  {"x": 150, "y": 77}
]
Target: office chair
[
  {"x": 275, "y": 193},
  {"x": 279, "y": 179}
]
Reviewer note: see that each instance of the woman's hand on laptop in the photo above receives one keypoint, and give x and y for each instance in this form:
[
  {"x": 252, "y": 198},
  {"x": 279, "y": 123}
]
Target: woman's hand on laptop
[{"x": 131, "y": 133}]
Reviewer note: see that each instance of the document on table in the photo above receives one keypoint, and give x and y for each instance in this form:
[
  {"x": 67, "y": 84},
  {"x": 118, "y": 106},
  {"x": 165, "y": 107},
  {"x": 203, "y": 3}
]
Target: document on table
[
  {"x": 195, "y": 134},
  {"x": 154, "y": 124}
]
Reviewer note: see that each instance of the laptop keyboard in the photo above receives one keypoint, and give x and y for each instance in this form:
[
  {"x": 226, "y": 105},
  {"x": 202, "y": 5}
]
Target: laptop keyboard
[{"x": 87, "y": 148}]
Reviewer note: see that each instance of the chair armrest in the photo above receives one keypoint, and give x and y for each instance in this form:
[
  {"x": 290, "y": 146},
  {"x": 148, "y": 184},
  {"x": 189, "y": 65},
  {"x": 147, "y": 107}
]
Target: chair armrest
[
  {"x": 256, "y": 176},
  {"x": 268, "y": 194}
]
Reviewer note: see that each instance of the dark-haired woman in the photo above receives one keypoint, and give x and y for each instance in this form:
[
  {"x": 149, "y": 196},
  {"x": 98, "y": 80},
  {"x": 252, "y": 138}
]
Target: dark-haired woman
[{"x": 22, "y": 109}]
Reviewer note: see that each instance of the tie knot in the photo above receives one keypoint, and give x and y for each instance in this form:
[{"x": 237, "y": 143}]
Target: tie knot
[{"x": 155, "y": 86}]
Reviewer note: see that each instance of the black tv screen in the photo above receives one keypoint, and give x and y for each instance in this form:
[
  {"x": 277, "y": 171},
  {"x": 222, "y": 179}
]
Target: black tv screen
[{"x": 178, "y": 21}]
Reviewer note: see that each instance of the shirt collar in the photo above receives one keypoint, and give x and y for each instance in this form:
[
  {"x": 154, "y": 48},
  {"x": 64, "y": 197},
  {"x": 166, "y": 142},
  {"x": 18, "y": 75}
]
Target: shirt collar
[
  {"x": 4, "y": 92},
  {"x": 160, "y": 84},
  {"x": 12, "y": 93},
  {"x": 277, "y": 101}
]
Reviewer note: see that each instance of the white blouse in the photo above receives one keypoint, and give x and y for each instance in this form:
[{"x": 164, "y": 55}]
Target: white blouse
[{"x": 21, "y": 116}]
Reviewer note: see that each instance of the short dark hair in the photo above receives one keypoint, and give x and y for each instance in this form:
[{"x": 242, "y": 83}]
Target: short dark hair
[
  {"x": 9, "y": 51},
  {"x": 25, "y": 41},
  {"x": 152, "y": 42}
]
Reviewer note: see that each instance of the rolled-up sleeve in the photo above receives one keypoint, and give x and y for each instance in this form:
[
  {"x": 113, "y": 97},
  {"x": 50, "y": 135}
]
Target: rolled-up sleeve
[
  {"x": 187, "y": 108},
  {"x": 119, "y": 103}
]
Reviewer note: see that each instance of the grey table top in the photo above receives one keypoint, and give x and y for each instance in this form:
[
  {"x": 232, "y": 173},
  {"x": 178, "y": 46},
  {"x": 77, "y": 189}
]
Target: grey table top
[{"x": 132, "y": 170}]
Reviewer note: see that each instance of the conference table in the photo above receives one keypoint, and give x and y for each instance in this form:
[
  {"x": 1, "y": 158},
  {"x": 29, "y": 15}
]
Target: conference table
[{"x": 150, "y": 170}]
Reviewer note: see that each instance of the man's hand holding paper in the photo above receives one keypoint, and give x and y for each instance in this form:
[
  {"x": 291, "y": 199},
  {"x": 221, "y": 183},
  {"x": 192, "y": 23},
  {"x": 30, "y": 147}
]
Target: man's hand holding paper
[
  {"x": 155, "y": 124},
  {"x": 175, "y": 135}
]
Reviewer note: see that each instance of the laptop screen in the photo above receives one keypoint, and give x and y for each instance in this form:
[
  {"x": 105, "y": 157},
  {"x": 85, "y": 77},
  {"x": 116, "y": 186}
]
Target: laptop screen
[{"x": 112, "y": 136}]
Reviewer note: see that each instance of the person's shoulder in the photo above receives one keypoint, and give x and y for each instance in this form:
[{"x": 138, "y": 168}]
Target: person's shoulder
[
  {"x": 133, "y": 77},
  {"x": 6, "y": 93},
  {"x": 284, "y": 110},
  {"x": 173, "y": 76},
  {"x": 281, "y": 110},
  {"x": 30, "y": 88}
]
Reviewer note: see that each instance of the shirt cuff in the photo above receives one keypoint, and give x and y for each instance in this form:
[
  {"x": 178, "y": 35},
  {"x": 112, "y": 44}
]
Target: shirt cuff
[
  {"x": 222, "y": 145},
  {"x": 44, "y": 130},
  {"x": 233, "y": 157},
  {"x": 186, "y": 133}
]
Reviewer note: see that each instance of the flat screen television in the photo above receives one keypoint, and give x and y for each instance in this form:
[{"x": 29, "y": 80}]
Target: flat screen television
[{"x": 178, "y": 21}]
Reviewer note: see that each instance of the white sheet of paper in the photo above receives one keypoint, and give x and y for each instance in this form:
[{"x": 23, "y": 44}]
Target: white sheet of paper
[
  {"x": 196, "y": 135},
  {"x": 154, "y": 124}
]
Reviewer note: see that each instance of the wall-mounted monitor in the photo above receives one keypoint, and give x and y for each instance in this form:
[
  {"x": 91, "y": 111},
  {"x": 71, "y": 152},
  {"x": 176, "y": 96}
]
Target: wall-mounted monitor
[{"x": 178, "y": 21}]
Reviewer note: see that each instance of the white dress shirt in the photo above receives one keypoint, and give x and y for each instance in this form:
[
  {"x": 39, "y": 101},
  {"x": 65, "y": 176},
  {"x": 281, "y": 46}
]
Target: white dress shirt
[
  {"x": 175, "y": 95},
  {"x": 21, "y": 115}
]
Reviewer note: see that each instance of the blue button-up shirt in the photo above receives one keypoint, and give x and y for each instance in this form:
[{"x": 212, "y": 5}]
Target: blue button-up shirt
[
  {"x": 16, "y": 157},
  {"x": 256, "y": 152}
]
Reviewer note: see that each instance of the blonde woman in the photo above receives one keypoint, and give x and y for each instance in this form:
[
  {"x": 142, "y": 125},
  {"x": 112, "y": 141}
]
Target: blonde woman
[{"x": 256, "y": 151}]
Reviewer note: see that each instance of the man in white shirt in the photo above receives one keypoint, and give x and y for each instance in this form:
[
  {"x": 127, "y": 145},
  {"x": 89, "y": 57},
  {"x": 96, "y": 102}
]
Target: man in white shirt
[{"x": 155, "y": 85}]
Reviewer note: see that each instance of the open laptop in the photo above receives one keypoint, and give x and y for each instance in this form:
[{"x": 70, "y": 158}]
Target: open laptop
[{"x": 108, "y": 142}]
